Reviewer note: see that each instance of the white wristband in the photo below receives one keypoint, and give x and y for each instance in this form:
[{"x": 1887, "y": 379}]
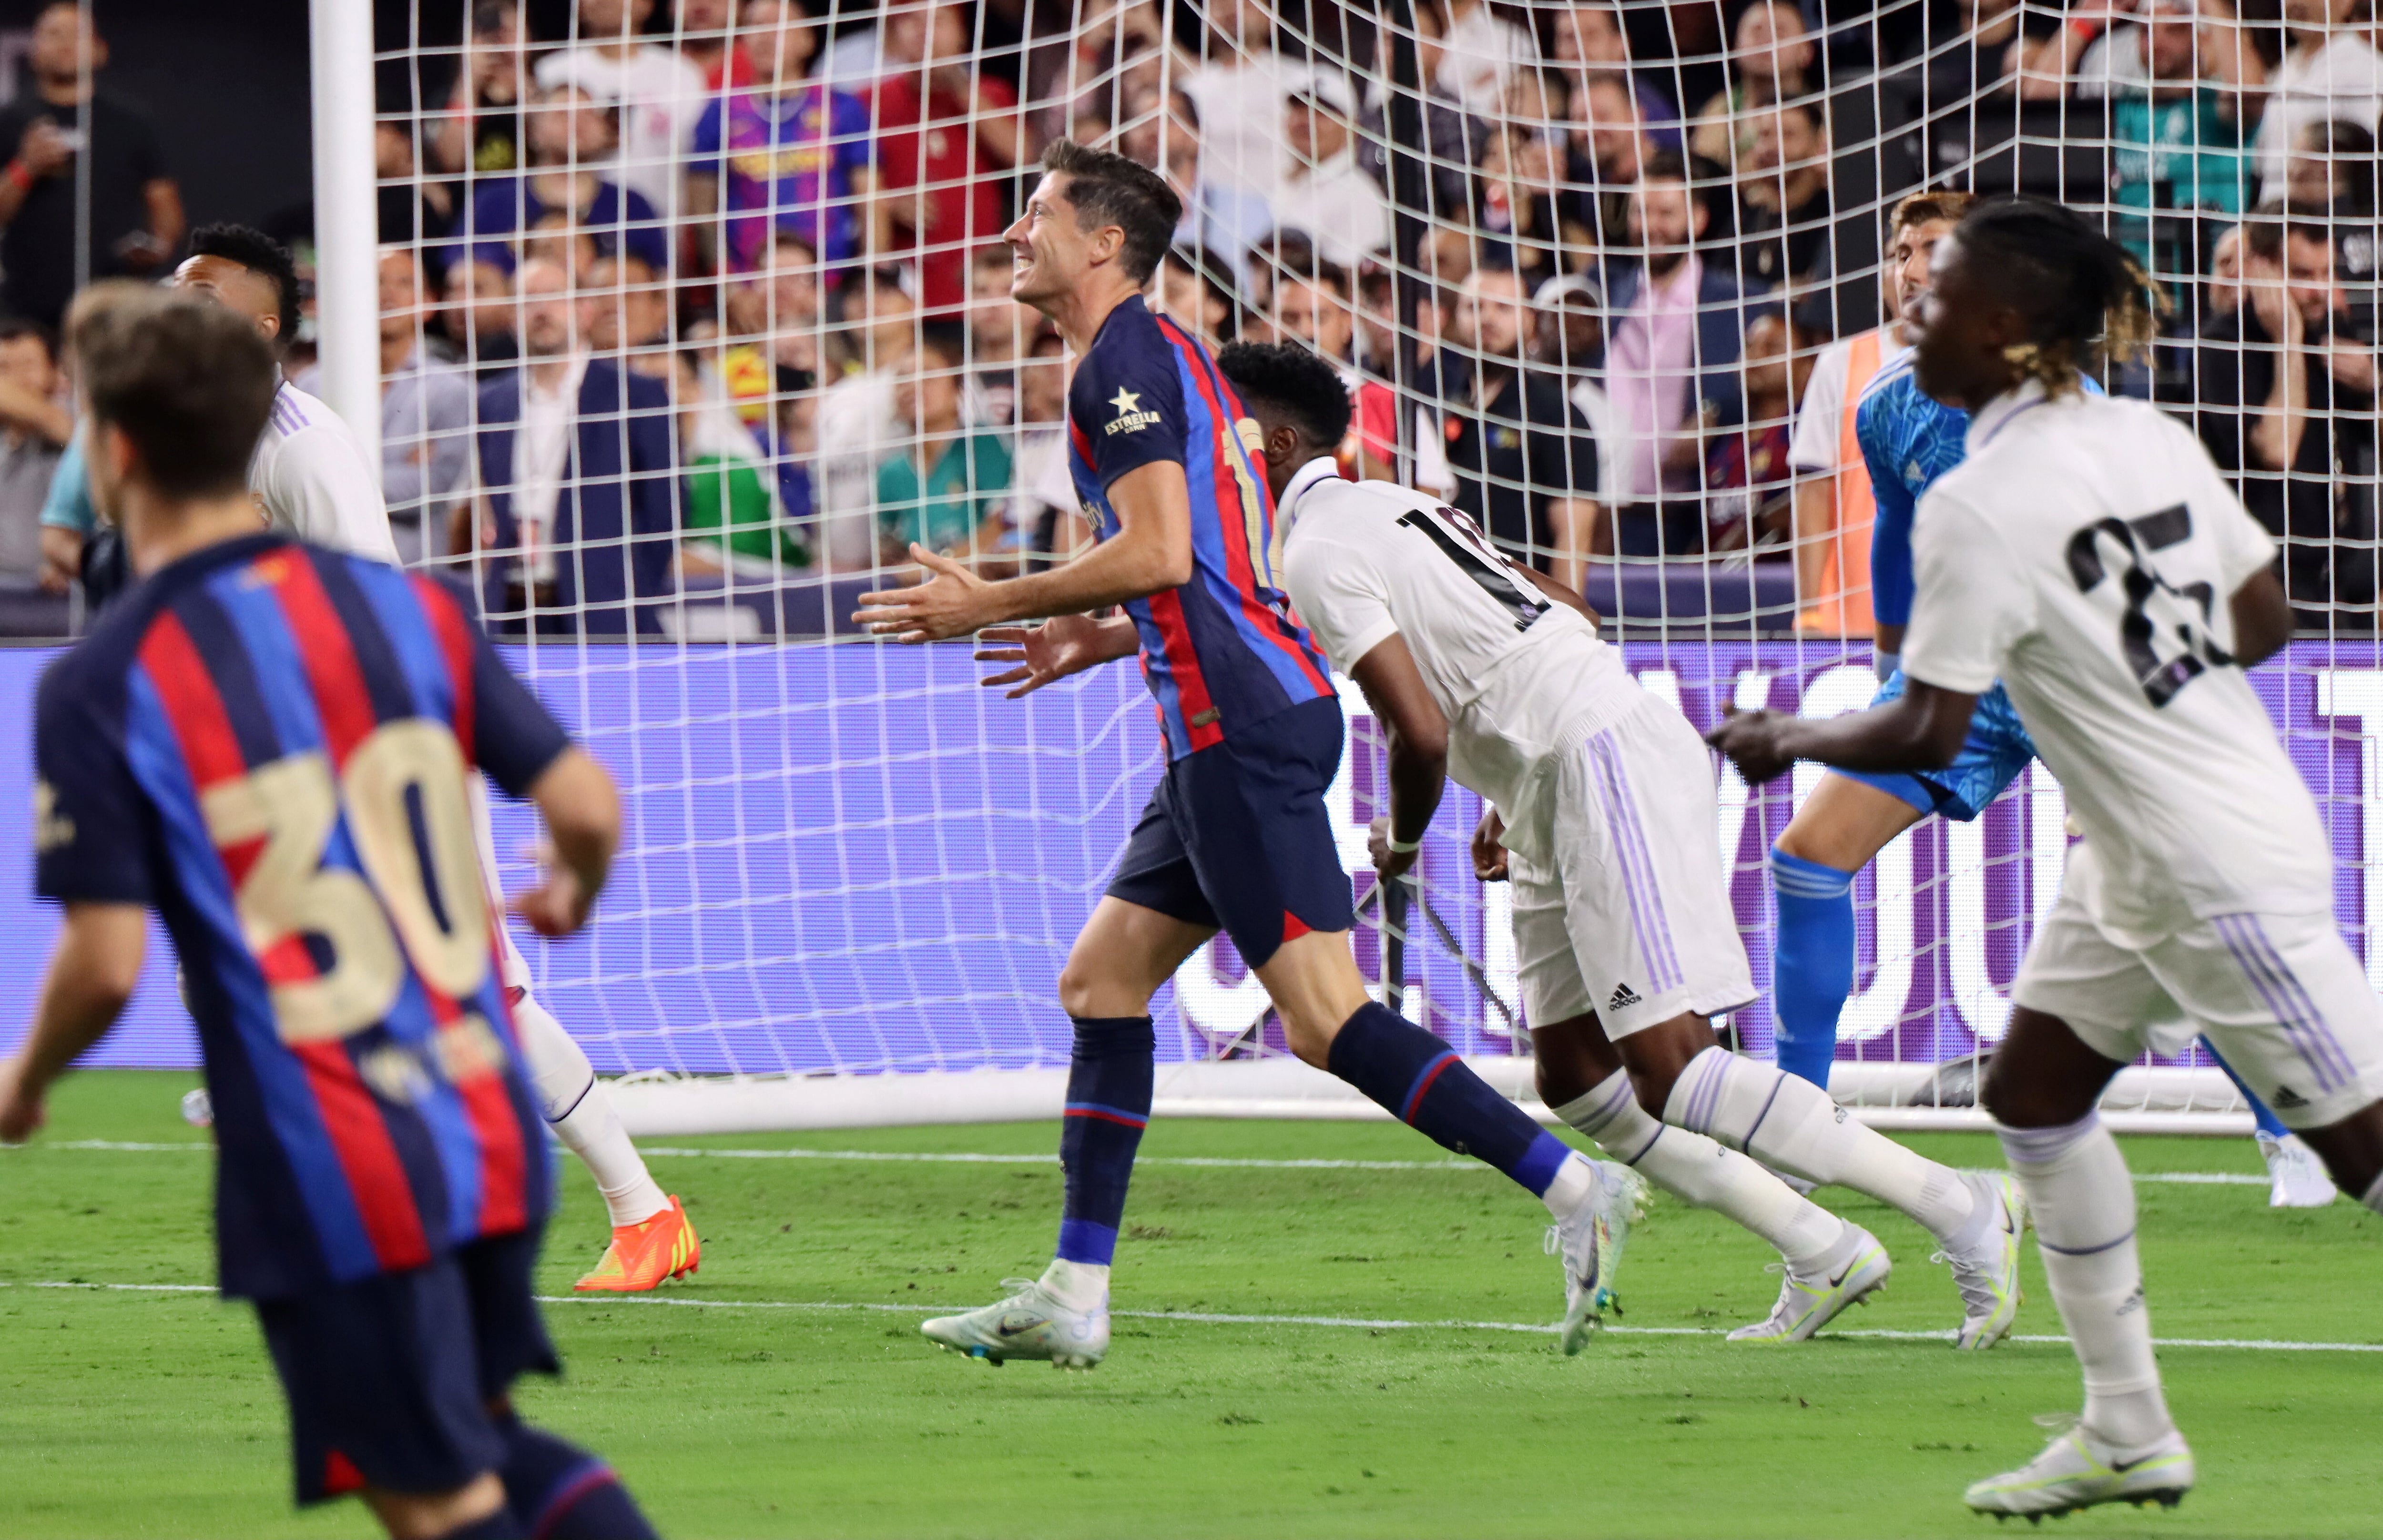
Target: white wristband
[{"x": 1403, "y": 847}]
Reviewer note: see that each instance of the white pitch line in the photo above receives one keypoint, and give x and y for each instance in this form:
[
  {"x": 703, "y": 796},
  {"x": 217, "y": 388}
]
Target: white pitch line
[{"x": 1219, "y": 1318}]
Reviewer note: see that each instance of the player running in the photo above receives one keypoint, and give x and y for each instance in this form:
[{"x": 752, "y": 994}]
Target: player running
[
  {"x": 268, "y": 743},
  {"x": 311, "y": 478},
  {"x": 1906, "y": 441},
  {"x": 1602, "y": 798},
  {"x": 1236, "y": 836},
  {"x": 2090, "y": 556}
]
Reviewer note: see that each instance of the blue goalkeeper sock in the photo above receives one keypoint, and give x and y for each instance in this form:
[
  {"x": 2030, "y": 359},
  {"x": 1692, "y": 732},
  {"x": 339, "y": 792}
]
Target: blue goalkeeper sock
[
  {"x": 1108, "y": 1105},
  {"x": 2269, "y": 1124},
  {"x": 1813, "y": 970},
  {"x": 558, "y": 1491},
  {"x": 1424, "y": 1084}
]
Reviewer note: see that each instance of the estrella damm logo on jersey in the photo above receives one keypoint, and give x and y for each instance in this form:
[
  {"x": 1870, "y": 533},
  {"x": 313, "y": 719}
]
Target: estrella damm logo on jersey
[
  {"x": 1131, "y": 416},
  {"x": 51, "y": 829}
]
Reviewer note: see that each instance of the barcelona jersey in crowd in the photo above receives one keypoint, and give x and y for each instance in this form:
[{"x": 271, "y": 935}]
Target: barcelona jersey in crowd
[{"x": 786, "y": 162}]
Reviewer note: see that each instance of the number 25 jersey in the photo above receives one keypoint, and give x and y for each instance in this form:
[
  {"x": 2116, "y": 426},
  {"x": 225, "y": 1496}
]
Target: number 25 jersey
[
  {"x": 1519, "y": 677},
  {"x": 2087, "y": 553},
  {"x": 267, "y": 743}
]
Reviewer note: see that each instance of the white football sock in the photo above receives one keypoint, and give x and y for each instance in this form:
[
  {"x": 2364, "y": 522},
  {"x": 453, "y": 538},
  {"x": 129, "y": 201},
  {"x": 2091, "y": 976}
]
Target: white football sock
[
  {"x": 582, "y": 1115},
  {"x": 1785, "y": 1120},
  {"x": 1077, "y": 1284},
  {"x": 2085, "y": 1206},
  {"x": 1696, "y": 1170},
  {"x": 2373, "y": 1198},
  {"x": 1572, "y": 1182}
]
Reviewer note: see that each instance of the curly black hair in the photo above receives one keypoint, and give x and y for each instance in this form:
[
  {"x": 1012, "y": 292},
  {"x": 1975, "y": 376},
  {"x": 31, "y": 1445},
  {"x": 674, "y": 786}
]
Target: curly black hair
[
  {"x": 2086, "y": 298},
  {"x": 1293, "y": 381},
  {"x": 262, "y": 255}
]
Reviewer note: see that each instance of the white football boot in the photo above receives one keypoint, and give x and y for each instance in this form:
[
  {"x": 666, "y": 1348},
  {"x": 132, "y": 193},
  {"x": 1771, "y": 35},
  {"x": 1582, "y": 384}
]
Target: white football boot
[
  {"x": 2296, "y": 1178},
  {"x": 1810, "y": 1301},
  {"x": 1031, "y": 1322},
  {"x": 2078, "y": 1469},
  {"x": 1589, "y": 1239},
  {"x": 1987, "y": 1271}
]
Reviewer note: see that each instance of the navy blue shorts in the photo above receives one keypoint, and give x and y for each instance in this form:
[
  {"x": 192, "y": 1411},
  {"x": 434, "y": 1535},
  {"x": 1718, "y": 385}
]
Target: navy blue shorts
[
  {"x": 1236, "y": 836},
  {"x": 388, "y": 1378}
]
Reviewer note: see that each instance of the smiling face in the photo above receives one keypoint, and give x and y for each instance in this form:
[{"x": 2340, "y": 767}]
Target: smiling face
[{"x": 1050, "y": 251}]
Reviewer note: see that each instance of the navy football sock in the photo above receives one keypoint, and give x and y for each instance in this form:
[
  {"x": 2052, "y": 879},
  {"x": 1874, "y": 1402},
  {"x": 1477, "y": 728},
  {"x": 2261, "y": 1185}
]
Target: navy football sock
[
  {"x": 559, "y": 1491},
  {"x": 499, "y": 1525},
  {"x": 1108, "y": 1105},
  {"x": 1813, "y": 970},
  {"x": 1424, "y": 1084},
  {"x": 2269, "y": 1124}
]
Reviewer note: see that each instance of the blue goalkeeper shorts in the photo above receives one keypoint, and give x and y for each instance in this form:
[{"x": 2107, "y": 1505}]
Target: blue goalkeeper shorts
[{"x": 1995, "y": 754}]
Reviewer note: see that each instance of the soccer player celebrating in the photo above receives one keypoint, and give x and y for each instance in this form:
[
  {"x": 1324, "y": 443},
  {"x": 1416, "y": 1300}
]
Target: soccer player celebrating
[
  {"x": 1601, "y": 813},
  {"x": 312, "y": 479},
  {"x": 268, "y": 744},
  {"x": 1907, "y": 440},
  {"x": 2089, "y": 555},
  {"x": 1236, "y": 836}
]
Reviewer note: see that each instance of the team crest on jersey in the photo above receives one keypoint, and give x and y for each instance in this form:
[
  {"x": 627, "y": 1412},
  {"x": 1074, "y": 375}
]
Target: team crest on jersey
[{"x": 1130, "y": 417}]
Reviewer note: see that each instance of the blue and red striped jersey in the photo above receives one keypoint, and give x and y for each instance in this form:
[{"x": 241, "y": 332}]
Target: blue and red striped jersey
[
  {"x": 1221, "y": 651},
  {"x": 267, "y": 743}
]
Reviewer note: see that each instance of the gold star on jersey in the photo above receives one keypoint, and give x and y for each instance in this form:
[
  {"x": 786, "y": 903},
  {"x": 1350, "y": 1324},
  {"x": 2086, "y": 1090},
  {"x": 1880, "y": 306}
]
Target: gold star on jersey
[{"x": 1130, "y": 417}]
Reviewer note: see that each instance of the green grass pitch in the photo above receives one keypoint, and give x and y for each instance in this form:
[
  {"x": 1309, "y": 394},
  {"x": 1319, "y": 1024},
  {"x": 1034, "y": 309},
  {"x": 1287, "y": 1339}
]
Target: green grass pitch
[{"x": 815, "y": 1410}]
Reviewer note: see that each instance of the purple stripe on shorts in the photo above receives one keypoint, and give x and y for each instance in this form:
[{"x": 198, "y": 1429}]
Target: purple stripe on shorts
[
  {"x": 1647, "y": 864},
  {"x": 2313, "y": 1019},
  {"x": 2250, "y": 956},
  {"x": 1638, "y": 886}
]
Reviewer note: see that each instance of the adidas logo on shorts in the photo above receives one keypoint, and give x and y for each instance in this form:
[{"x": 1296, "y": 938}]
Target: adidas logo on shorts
[
  {"x": 1623, "y": 996},
  {"x": 2287, "y": 1099}
]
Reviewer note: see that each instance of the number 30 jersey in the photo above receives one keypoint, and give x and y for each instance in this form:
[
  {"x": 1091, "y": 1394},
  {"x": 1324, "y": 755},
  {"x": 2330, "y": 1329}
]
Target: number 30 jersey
[
  {"x": 267, "y": 743},
  {"x": 2087, "y": 553},
  {"x": 1519, "y": 677}
]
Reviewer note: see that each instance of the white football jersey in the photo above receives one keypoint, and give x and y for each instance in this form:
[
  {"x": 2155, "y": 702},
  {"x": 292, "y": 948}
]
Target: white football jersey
[
  {"x": 1517, "y": 676},
  {"x": 311, "y": 477},
  {"x": 2086, "y": 553}
]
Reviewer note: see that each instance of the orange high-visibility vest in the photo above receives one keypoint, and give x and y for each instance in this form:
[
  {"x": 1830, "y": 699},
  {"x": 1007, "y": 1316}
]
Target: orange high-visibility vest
[{"x": 1843, "y": 598}]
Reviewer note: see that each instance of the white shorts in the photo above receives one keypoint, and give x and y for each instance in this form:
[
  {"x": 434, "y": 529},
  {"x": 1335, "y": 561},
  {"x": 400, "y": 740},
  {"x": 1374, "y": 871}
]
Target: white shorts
[
  {"x": 2280, "y": 996},
  {"x": 1630, "y": 915}
]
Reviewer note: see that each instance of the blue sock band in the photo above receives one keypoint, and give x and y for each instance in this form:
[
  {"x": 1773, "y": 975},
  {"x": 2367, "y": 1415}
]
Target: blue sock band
[
  {"x": 1425, "y": 1085},
  {"x": 558, "y": 1491},
  {"x": 1812, "y": 971},
  {"x": 2269, "y": 1124},
  {"x": 1108, "y": 1105}
]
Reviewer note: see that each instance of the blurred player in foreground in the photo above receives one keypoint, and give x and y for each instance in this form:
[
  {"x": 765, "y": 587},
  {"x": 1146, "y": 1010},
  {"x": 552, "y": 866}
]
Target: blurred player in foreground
[
  {"x": 310, "y": 478},
  {"x": 268, "y": 743},
  {"x": 1906, "y": 440},
  {"x": 1603, "y": 795},
  {"x": 2089, "y": 555},
  {"x": 1236, "y": 836}
]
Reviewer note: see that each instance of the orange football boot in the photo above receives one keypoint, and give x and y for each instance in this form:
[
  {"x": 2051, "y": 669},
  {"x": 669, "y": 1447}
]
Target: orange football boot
[{"x": 645, "y": 1253}]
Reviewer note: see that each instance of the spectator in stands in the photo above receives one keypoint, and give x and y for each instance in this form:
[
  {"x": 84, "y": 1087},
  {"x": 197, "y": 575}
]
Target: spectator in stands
[
  {"x": 773, "y": 332},
  {"x": 736, "y": 519},
  {"x": 1454, "y": 138},
  {"x": 481, "y": 131},
  {"x": 1782, "y": 198},
  {"x": 2226, "y": 272},
  {"x": 1480, "y": 54},
  {"x": 2284, "y": 398},
  {"x": 414, "y": 211},
  {"x": 1524, "y": 462},
  {"x": 569, "y": 139},
  {"x": 1750, "y": 488},
  {"x": 946, "y": 133},
  {"x": 1195, "y": 290},
  {"x": 1591, "y": 44},
  {"x": 946, "y": 488},
  {"x": 628, "y": 315},
  {"x": 1227, "y": 219},
  {"x": 859, "y": 422},
  {"x": 134, "y": 210},
  {"x": 1770, "y": 59},
  {"x": 1242, "y": 87},
  {"x": 1312, "y": 307},
  {"x": 657, "y": 93},
  {"x": 580, "y": 507},
  {"x": 34, "y": 427},
  {"x": 997, "y": 327},
  {"x": 1327, "y": 195},
  {"x": 425, "y": 417},
  {"x": 478, "y": 317},
  {"x": 1974, "y": 48},
  {"x": 1515, "y": 208},
  {"x": 707, "y": 39},
  {"x": 1042, "y": 508},
  {"x": 1672, "y": 363},
  {"x": 2178, "y": 110},
  {"x": 2330, "y": 70},
  {"x": 1569, "y": 337},
  {"x": 1604, "y": 155},
  {"x": 789, "y": 154},
  {"x": 2334, "y": 172}
]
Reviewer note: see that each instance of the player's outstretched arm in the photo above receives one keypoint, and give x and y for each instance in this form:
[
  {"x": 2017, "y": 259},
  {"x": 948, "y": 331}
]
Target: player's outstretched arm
[
  {"x": 2263, "y": 618},
  {"x": 1149, "y": 553},
  {"x": 92, "y": 974},
  {"x": 1059, "y": 647},
  {"x": 1401, "y": 703},
  {"x": 582, "y": 810},
  {"x": 1921, "y": 729}
]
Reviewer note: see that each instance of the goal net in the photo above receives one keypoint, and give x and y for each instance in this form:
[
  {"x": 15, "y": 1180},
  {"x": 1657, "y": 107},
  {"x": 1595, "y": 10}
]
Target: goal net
[{"x": 693, "y": 317}]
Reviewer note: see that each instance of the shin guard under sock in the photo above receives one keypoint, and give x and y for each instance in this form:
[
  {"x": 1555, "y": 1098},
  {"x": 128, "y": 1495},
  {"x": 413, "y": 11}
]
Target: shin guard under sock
[
  {"x": 1812, "y": 969},
  {"x": 1109, "y": 1106},
  {"x": 1425, "y": 1086}
]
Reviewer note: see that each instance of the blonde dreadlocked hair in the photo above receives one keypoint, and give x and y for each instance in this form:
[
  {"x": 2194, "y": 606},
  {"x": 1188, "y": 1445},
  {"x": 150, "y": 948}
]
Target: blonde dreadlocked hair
[{"x": 2085, "y": 297}]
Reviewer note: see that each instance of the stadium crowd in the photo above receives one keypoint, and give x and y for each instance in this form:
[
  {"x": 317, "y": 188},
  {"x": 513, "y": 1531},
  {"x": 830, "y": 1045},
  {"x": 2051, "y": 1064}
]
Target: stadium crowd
[{"x": 723, "y": 282}]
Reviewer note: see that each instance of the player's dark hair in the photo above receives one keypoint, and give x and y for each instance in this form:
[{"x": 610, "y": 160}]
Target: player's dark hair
[
  {"x": 190, "y": 384},
  {"x": 1108, "y": 189},
  {"x": 1293, "y": 381},
  {"x": 2085, "y": 297},
  {"x": 15, "y": 327},
  {"x": 262, "y": 255}
]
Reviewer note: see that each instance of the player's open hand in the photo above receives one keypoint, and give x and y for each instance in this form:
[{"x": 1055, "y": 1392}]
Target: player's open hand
[
  {"x": 1752, "y": 741},
  {"x": 1387, "y": 863},
  {"x": 949, "y": 603},
  {"x": 1488, "y": 852},
  {"x": 20, "y": 1115},
  {"x": 1069, "y": 644}
]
